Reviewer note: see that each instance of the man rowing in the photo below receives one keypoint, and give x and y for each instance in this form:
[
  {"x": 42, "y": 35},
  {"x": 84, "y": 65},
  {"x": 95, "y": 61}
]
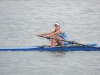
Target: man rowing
[{"x": 58, "y": 33}]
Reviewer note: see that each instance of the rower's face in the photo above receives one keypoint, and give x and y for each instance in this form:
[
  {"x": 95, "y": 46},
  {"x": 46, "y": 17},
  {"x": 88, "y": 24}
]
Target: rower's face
[{"x": 57, "y": 27}]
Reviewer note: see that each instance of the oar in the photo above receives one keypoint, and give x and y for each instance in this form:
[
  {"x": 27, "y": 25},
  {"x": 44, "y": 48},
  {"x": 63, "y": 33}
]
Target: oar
[
  {"x": 56, "y": 39},
  {"x": 73, "y": 42}
]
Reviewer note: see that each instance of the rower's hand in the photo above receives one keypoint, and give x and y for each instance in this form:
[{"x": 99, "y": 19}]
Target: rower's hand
[{"x": 39, "y": 35}]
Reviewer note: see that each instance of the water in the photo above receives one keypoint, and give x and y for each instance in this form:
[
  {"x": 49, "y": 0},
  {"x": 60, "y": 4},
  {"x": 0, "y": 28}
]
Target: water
[
  {"x": 43, "y": 63},
  {"x": 21, "y": 20}
]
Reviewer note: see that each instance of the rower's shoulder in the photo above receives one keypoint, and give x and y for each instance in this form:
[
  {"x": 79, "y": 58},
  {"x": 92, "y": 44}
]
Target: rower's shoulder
[{"x": 61, "y": 30}]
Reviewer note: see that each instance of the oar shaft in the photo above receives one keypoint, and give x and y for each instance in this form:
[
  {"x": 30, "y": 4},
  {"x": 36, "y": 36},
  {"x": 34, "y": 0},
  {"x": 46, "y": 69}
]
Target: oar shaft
[
  {"x": 56, "y": 39},
  {"x": 73, "y": 42}
]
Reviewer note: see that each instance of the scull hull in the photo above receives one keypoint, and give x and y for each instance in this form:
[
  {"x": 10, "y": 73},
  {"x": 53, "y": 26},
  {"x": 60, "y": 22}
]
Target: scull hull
[{"x": 57, "y": 48}]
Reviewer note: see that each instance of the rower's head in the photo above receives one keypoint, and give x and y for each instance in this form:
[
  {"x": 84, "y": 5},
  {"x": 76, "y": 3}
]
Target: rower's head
[{"x": 57, "y": 26}]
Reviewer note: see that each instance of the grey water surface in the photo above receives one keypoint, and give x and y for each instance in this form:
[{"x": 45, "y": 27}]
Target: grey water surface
[{"x": 21, "y": 20}]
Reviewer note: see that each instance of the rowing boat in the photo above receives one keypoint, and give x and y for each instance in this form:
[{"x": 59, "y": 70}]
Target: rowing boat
[{"x": 89, "y": 47}]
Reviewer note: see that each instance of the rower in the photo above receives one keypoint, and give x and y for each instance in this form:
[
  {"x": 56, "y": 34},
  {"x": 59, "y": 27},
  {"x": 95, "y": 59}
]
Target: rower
[{"x": 58, "y": 33}]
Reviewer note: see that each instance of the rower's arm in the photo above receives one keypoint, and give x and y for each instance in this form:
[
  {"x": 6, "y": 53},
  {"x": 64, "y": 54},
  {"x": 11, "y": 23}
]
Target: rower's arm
[{"x": 44, "y": 34}]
